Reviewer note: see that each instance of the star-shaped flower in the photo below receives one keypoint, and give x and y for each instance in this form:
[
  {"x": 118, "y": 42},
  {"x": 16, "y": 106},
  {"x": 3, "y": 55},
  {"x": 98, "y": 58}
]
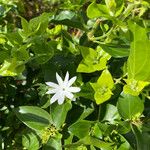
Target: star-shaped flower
[{"x": 63, "y": 89}]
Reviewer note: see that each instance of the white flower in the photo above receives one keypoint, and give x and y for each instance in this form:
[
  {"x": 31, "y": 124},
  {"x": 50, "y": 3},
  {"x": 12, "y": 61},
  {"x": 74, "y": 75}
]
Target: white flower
[{"x": 63, "y": 89}]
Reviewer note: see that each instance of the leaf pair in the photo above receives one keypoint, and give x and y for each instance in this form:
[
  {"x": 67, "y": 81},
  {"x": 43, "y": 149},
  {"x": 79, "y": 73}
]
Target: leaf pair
[
  {"x": 103, "y": 87},
  {"x": 93, "y": 60}
]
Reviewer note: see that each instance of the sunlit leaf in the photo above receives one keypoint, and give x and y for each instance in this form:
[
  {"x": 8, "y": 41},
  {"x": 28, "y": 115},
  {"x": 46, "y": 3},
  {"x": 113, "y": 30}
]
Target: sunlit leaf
[
  {"x": 103, "y": 87},
  {"x": 97, "y": 10},
  {"x": 138, "y": 62},
  {"x": 134, "y": 87},
  {"x": 93, "y": 60}
]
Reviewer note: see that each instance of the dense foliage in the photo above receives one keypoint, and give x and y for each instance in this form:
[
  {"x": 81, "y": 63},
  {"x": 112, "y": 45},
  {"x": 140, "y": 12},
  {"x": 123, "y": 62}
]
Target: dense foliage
[{"x": 90, "y": 55}]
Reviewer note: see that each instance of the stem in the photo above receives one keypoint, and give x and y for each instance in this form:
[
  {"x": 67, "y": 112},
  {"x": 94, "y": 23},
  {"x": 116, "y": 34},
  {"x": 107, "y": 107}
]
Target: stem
[
  {"x": 91, "y": 33},
  {"x": 105, "y": 35},
  {"x": 99, "y": 112},
  {"x": 137, "y": 135}
]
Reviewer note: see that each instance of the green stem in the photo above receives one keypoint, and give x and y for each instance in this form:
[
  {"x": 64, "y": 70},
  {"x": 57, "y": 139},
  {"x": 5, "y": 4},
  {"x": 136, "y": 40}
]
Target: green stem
[
  {"x": 99, "y": 112},
  {"x": 137, "y": 135},
  {"x": 91, "y": 33}
]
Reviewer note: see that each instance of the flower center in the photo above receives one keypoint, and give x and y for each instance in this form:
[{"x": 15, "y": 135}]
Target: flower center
[{"x": 63, "y": 88}]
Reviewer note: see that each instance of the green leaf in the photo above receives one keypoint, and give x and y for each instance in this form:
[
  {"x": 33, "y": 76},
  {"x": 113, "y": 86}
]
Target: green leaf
[
  {"x": 124, "y": 144},
  {"x": 117, "y": 51},
  {"x": 53, "y": 143},
  {"x": 111, "y": 114},
  {"x": 55, "y": 31},
  {"x": 59, "y": 113},
  {"x": 138, "y": 61},
  {"x": 11, "y": 67},
  {"x": 97, "y": 10},
  {"x": 87, "y": 91},
  {"x": 36, "y": 25},
  {"x": 103, "y": 87},
  {"x": 130, "y": 107},
  {"x": 25, "y": 27},
  {"x": 21, "y": 53},
  {"x": 123, "y": 127},
  {"x": 92, "y": 60},
  {"x": 30, "y": 141},
  {"x": 5, "y": 54},
  {"x": 142, "y": 138},
  {"x": 88, "y": 140},
  {"x": 111, "y": 5},
  {"x": 134, "y": 87},
  {"x": 96, "y": 132},
  {"x": 69, "y": 43},
  {"x": 34, "y": 117},
  {"x": 86, "y": 113},
  {"x": 14, "y": 38},
  {"x": 69, "y": 18},
  {"x": 43, "y": 50},
  {"x": 40, "y": 23},
  {"x": 80, "y": 128},
  {"x": 2, "y": 39},
  {"x": 119, "y": 7}
]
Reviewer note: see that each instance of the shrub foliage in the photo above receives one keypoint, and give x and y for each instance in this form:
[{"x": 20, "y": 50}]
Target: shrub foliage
[{"x": 105, "y": 44}]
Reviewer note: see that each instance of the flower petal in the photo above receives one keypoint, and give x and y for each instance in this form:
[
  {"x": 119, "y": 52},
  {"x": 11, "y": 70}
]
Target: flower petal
[
  {"x": 51, "y": 91},
  {"x": 68, "y": 94},
  {"x": 54, "y": 98},
  {"x": 59, "y": 79},
  {"x": 66, "y": 77},
  {"x": 61, "y": 100},
  {"x": 52, "y": 84},
  {"x": 71, "y": 81},
  {"x": 74, "y": 89},
  {"x": 74, "y": 99}
]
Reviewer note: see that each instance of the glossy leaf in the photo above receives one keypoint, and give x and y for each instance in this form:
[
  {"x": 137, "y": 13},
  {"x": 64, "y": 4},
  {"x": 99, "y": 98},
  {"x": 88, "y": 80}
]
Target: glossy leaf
[
  {"x": 69, "y": 18},
  {"x": 111, "y": 114},
  {"x": 130, "y": 107},
  {"x": 117, "y": 51},
  {"x": 80, "y": 129},
  {"x": 59, "y": 113},
  {"x": 34, "y": 117},
  {"x": 30, "y": 141},
  {"x": 53, "y": 143}
]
